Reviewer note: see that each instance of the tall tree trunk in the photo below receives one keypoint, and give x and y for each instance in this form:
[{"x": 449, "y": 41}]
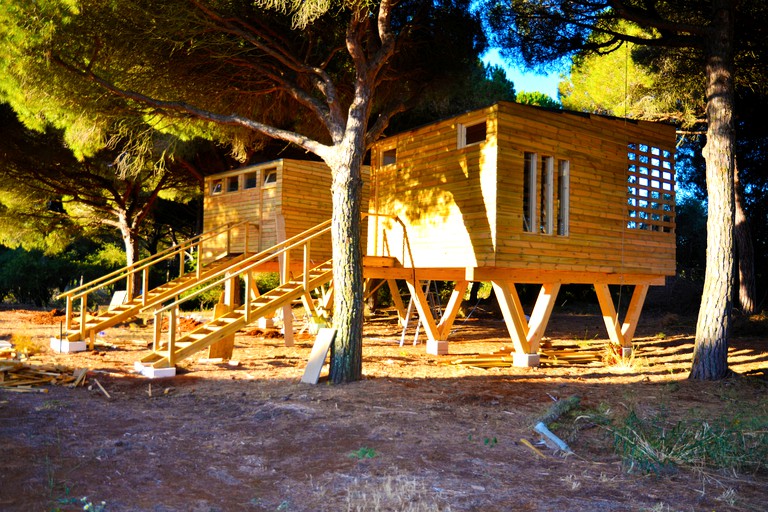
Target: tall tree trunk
[
  {"x": 710, "y": 354},
  {"x": 346, "y": 353},
  {"x": 346, "y": 192},
  {"x": 131, "y": 244},
  {"x": 745, "y": 250}
]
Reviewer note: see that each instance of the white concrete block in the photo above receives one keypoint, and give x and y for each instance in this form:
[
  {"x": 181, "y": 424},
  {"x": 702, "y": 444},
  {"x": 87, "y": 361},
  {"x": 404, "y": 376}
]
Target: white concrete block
[
  {"x": 65, "y": 346},
  {"x": 525, "y": 360},
  {"x": 437, "y": 348},
  {"x": 266, "y": 323},
  {"x": 626, "y": 352},
  {"x": 154, "y": 373}
]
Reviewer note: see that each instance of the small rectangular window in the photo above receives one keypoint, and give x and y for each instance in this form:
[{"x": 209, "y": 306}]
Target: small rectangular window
[
  {"x": 250, "y": 180},
  {"x": 547, "y": 197},
  {"x": 563, "y": 196},
  {"x": 529, "y": 192},
  {"x": 389, "y": 157},
  {"x": 233, "y": 183},
  {"x": 216, "y": 187},
  {"x": 270, "y": 177},
  {"x": 470, "y": 134}
]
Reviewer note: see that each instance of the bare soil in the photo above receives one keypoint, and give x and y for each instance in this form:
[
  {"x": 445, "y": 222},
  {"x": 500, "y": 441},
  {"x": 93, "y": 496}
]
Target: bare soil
[{"x": 417, "y": 433}]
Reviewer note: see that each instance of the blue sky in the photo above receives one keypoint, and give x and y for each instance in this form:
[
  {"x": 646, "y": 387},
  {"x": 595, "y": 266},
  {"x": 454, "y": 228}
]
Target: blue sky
[{"x": 524, "y": 80}]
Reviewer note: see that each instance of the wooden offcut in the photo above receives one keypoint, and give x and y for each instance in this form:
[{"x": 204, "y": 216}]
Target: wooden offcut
[{"x": 318, "y": 355}]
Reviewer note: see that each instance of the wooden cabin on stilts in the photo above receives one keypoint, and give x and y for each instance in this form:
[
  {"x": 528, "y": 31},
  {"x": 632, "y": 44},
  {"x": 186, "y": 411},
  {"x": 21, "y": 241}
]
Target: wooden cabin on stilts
[
  {"x": 509, "y": 194},
  {"x": 515, "y": 194}
]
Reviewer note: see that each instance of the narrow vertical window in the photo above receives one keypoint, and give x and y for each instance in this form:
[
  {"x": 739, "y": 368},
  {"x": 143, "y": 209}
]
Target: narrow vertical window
[
  {"x": 529, "y": 192},
  {"x": 563, "y": 196},
  {"x": 547, "y": 195}
]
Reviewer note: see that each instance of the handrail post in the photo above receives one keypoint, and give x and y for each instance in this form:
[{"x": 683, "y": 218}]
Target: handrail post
[
  {"x": 172, "y": 337},
  {"x": 199, "y": 265},
  {"x": 181, "y": 259},
  {"x": 158, "y": 330},
  {"x": 245, "y": 247},
  {"x": 144, "y": 285},
  {"x": 129, "y": 285},
  {"x": 306, "y": 267},
  {"x": 70, "y": 312},
  {"x": 83, "y": 312},
  {"x": 248, "y": 280}
]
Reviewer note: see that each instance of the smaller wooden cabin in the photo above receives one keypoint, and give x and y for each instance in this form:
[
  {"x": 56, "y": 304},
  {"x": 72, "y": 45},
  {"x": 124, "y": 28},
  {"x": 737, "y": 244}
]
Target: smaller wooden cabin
[
  {"x": 519, "y": 194},
  {"x": 278, "y": 199}
]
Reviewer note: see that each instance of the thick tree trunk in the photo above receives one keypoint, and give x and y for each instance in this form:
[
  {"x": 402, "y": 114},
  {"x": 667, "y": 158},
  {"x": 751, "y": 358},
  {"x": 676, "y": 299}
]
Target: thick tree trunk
[
  {"x": 346, "y": 353},
  {"x": 710, "y": 354},
  {"x": 745, "y": 250}
]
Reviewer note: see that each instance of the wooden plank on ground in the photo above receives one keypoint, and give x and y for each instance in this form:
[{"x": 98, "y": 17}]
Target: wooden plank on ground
[{"x": 318, "y": 355}]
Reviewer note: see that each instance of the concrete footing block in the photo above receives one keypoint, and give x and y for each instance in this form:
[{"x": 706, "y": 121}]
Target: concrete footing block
[
  {"x": 65, "y": 346},
  {"x": 154, "y": 373},
  {"x": 437, "y": 348},
  {"x": 626, "y": 352},
  {"x": 525, "y": 360}
]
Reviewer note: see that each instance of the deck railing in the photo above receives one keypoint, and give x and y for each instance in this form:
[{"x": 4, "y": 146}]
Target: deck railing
[{"x": 192, "y": 247}]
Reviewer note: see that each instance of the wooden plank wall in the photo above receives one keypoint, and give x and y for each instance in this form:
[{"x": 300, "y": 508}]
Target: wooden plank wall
[
  {"x": 446, "y": 197},
  {"x": 463, "y": 207},
  {"x": 301, "y": 194}
]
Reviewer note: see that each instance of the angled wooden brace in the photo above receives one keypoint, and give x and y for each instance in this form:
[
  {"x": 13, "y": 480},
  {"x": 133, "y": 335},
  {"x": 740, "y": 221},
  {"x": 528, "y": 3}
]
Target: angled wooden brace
[
  {"x": 621, "y": 335},
  {"x": 451, "y": 309},
  {"x": 541, "y": 313},
  {"x": 512, "y": 310},
  {"x": 422, "y": 306}
]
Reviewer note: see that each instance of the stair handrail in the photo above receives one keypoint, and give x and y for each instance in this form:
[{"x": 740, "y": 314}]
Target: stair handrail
[
  {"x": 246, "y": 265},
  {"x": 406, "y": 240},
  {"x": 149, "y": 260},
  {"x": 81, "y": 292}
]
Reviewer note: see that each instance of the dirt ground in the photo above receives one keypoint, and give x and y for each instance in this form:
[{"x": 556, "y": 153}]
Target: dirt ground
[{"x": 417, "y": 433}]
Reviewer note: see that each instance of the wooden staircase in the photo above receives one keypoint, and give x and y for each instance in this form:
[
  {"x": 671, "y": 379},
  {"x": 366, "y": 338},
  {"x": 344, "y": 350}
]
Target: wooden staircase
[
  {"x": 81, "y": 326},
  {"x": 130, "y": 309},
  {"x": 166, "y": 355}
]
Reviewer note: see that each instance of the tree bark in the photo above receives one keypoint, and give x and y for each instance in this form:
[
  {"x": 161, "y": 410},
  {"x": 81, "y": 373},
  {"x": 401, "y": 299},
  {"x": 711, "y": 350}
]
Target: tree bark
[
  {"x": 131, "y": 243},
  {"x": 745, "y": 250},
  {"x": 348, "y": 310},
  {"x": 710, "y": 354}
]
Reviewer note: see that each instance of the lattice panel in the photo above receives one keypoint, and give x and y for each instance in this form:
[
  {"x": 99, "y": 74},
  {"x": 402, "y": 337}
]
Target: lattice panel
[{"x": 650, "y": 188}]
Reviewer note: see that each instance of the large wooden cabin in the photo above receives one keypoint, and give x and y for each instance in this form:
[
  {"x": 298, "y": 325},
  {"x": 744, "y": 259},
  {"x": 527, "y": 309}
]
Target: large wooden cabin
[
  {"x": 507, "y": 194},
  {"x": 519, "y": 194}
]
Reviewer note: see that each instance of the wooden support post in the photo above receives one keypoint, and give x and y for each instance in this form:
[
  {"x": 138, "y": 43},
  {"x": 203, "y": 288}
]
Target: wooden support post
[
  {"x": 541, "y": 313},
  {"x": 451, "y": 309},
  {"x": 633, "y": 313},
  {"x": 144, "y": 285},
  {"x": 422, "y": 306},
  {"x": 610, "y": 317},
  {"x": 172, "y": 338},
  {"x": 157, "y": 339},
  {"x": 512, "y": 310},
  {"x": 70, "y": 312},
  {"x": 83, "y": 314},
  {"x": 397, "y": 300},
  {"x": 224, "y": 347}
]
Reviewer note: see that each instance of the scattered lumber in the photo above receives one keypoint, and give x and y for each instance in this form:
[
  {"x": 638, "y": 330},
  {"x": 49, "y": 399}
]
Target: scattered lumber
[
  {"x": 565, "y": 356},
  {"x": 18, "y": 376}
]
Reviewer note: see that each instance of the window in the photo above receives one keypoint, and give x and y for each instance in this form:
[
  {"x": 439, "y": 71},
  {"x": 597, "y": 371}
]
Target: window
[
  {"x": 389, "y": 157},
  {"x": 548, "y": 190},
  {"x": 270, "y": 177},
  {"x": 563, "y": 196},
  {"x": 216, "y": 187},
  {"x": 250, "y": 180},
  {"x": 529, "y": 192},
  {"x": 233, "y": 183},
  {"x": 547, "y": 196},
  {"x": 470, "y": 134},
  {"x": 650, "y": 189}
]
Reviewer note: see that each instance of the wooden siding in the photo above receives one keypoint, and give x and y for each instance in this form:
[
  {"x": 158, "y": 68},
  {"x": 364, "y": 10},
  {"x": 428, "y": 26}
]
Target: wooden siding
[
  {"x": 463, "y": 207},
  {"x": 298, "y": 199}
]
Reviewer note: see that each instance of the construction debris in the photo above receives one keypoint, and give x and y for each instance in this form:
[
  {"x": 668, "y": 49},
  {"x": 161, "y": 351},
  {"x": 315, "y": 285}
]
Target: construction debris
[
  {"x": 561, "y": 356},
  {"x": 18, "y": 376}
]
